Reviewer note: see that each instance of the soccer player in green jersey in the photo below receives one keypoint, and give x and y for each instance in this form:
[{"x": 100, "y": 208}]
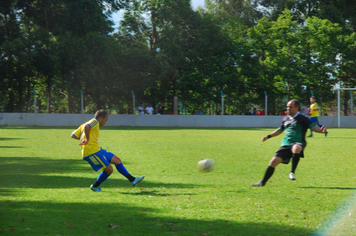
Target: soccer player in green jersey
[
  {"x": 295, "y": 126},
  {"x": 98, "y": 158}
]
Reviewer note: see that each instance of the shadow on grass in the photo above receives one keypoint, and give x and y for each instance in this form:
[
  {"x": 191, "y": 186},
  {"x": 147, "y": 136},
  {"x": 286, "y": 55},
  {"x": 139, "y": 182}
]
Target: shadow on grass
[
  {"x": 7, "y": 139},
  {"x": 102, "y": 213},
  {"x": 115, "y": 218},
  {"x": 336, "y": 188},
  {"x": 11, "y": 147},
  {"x": 155, "y": 193},
  {"x": 39, "y": 165},
  {"x": 19, "y": 172}
]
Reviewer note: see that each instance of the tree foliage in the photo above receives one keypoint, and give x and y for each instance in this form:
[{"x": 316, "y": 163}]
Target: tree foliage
[{"x": 61, "y": 49}]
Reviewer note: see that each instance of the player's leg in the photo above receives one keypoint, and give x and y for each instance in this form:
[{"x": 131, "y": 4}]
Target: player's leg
[
  {"x": 314, "y": 120},
  {"x": 296, "y": 150},
  {"x": 122, "y": 170},
  {"x": 317, "y": 122},
  {"x": 101, "y": 178},
  {"x": 99, "y": 162},
  {"x": 269, "y": 172},
  {"x": 320, "y": 125}
]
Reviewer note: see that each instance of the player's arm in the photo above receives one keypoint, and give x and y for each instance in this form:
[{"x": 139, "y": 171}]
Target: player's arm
[
  {"x": 76, "y": 134},
  {"x": 273, "y": 134},
  {"x": 318, "y": 129},
  {"x": 87, "y": 135},
  {"x": 73, "y": 136}
]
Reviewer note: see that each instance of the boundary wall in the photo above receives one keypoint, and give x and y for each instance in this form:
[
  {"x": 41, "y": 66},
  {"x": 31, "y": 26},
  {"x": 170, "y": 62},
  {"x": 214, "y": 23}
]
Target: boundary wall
[{"x": 53, "y": 119}]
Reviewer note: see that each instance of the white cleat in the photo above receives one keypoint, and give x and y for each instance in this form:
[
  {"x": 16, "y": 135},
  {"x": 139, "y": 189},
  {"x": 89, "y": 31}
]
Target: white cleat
[{"x": 292, "y": 176}]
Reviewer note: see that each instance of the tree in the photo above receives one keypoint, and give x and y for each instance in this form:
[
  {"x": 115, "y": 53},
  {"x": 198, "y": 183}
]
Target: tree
[
  {"x": 296, "y": 58},
  {"x": 245, "y": 13},
  {"x": 14, "y": 61},
  {"x": 35, "y": 40}
]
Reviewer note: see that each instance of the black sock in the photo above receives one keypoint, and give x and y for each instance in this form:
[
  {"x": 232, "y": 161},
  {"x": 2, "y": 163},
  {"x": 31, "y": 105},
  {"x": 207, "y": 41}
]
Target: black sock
[
  {"x": 295, "y": 161},
  {"x": 96, "y": 184},
  {"x": 268, "y": 174},
  {"x": 130, "y": 177}
]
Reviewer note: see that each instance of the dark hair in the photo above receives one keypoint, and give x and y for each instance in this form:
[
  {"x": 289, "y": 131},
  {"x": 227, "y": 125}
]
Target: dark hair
[
  {"x": 101, "y": 113},
  {"x": 295, "y": 102}
]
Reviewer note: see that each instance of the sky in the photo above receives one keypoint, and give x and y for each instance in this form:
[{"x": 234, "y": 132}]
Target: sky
[
  {"x": 117, "y": 16},
  {"x": 197, "y": 3}
]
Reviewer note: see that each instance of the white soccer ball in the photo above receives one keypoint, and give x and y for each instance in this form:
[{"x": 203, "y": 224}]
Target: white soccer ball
[{"x": 206, "y": 165}]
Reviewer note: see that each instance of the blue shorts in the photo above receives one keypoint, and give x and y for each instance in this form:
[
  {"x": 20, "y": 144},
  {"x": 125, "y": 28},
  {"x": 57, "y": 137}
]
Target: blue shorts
[
  {"x": 315, "y": 120},
  {"x": 99, "y": 160}
]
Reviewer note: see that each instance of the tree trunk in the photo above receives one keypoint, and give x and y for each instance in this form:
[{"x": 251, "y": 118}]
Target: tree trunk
[
  {"x": 346, "y": 102},
  {"x": 154, "y": 39},
  {"x": 49, "y": 93},
  {"x": 70, "y": 99}
]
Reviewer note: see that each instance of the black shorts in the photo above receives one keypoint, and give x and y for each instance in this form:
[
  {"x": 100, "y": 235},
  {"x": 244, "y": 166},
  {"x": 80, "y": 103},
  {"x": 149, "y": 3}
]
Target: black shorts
[{"x": 285, "y": 152}]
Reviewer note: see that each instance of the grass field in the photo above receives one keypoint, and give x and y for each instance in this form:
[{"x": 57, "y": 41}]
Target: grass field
[{"x": 45, "y": 184}]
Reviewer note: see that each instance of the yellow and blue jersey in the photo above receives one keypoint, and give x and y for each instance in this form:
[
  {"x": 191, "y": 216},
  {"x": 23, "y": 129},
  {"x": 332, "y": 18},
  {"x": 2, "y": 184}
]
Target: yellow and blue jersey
[
  {"x": 92, "y": 146},
  {"x": 314, "y": 113}
]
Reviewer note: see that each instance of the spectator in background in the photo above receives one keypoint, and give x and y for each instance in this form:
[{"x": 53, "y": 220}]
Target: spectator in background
[
  {"x": 149, "y": 109},
  {"x": 199, "y": 112},
  {"x": 261, "y": 112},
  {"x": 170, "y": 112},
  {"x": 141, "y": 109},
  {"x": 161, "y": 108},
  {"x": 305, "y": 110},
  {"x": 248, "y": 113},
  {"x": 254, "y": 111},
  {"x": 284, "y": 112}
]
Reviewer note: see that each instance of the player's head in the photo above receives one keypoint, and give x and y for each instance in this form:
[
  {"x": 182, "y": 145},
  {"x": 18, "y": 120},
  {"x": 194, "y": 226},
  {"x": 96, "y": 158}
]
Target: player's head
[
  {"x": 312, "y": 99},
  {"x": 102, "y": 116},
  {"x": 293, "y": 107}
]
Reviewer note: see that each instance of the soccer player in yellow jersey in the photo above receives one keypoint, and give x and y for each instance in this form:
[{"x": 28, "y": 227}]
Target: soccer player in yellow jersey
[
  {"x": 98, "y": 158},
  {"x": 314, "y": 113}
]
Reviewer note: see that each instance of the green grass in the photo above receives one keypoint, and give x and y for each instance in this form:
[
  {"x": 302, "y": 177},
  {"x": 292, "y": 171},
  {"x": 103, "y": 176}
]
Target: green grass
[{"x": 45, "y": 184}]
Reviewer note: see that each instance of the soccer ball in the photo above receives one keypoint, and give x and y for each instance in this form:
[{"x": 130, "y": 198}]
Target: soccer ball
[{"x": 206, "y": 165}]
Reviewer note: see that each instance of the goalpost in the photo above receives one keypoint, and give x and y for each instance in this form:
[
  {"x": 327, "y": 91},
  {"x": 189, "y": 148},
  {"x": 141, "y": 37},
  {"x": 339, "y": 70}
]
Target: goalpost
[{"x": 338, "y": 104}]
